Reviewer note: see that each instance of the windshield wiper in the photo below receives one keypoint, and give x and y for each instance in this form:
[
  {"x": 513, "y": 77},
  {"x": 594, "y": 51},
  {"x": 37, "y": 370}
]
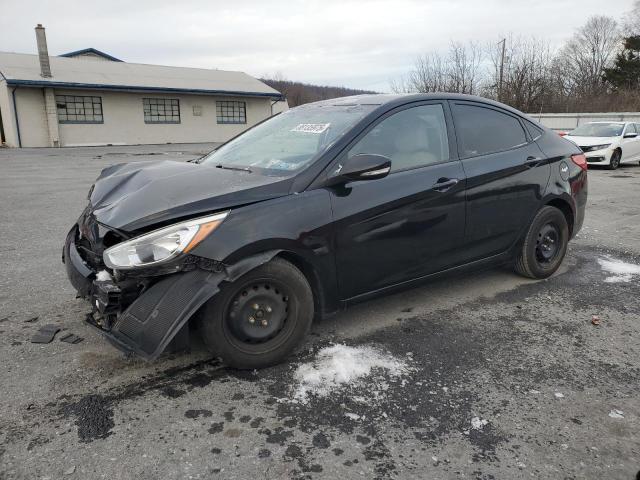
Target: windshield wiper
[{"x": 229, "y": 167}]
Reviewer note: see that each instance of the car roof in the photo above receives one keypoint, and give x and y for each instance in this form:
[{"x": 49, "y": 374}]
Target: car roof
[{"x": 391, "y": 100}]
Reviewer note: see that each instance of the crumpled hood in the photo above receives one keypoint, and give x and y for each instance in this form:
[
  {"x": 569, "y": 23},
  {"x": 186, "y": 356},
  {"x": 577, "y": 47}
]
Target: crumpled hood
[
  {"x": 132, "y": 196},
  {"x": 590, "y": 141}
]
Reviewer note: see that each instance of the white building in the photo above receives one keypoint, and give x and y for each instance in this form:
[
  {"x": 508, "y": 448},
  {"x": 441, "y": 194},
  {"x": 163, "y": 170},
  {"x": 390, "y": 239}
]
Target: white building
[{"x": 91, "y": 98}]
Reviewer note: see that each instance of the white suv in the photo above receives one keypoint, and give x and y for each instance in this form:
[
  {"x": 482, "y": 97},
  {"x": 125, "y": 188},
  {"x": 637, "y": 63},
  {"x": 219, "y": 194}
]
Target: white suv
[{"x": 608, "y": 143}]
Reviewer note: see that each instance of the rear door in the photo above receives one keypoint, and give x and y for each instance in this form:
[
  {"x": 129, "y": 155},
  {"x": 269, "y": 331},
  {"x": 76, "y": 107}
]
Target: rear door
[
  {"x": 411, "y": 222},
  {"x": 507, "y": 175}
]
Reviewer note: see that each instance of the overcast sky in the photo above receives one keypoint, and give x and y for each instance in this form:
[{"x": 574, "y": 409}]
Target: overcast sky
[{"x": 362, "y": 44}]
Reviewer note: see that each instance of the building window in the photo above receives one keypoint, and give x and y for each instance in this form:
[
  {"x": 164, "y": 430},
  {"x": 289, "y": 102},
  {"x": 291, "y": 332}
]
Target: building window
[
  {"x": 161, "y": 110},
  {"x": 231, "y": 112},
  {"x": 74, "y": 109}
]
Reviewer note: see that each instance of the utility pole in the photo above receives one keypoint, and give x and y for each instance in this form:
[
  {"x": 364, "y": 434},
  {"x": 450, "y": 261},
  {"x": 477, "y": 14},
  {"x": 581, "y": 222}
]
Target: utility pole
[{"x": 503, "y": 42}]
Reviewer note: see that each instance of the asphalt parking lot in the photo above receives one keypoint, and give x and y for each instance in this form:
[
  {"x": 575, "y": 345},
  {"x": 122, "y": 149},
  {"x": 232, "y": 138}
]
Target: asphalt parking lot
[{"x": 502, "y": 377}]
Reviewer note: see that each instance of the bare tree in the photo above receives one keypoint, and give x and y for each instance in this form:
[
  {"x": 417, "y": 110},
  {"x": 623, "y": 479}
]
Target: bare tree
[
  {"x": 589, "y": 52},
  {"x": 631, "y": 20},
  {"x": 463, "y": 64},
  {"x": 458, "y": 71},
  {"x": 428, "y": 75},
  {"x": 526, "y": 73}
]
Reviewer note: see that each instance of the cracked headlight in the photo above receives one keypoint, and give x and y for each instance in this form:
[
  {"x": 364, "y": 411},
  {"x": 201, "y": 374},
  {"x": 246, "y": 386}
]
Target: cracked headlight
[{"x": 161, "y": 245}]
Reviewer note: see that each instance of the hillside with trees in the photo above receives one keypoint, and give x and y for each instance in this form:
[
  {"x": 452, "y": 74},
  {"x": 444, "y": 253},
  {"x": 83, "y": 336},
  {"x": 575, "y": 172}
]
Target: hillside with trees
[{"x": 298, "y": 93}]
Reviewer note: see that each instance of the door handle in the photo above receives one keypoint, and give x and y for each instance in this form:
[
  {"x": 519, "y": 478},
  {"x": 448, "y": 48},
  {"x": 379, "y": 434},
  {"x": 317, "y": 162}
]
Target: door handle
[
  {"x": 532, "y": 161},
  {"x": 444, "y": 184}
]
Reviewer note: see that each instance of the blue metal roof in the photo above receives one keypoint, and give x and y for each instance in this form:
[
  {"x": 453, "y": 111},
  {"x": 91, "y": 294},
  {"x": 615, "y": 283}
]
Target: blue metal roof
[{"x": 132, "y": 88}]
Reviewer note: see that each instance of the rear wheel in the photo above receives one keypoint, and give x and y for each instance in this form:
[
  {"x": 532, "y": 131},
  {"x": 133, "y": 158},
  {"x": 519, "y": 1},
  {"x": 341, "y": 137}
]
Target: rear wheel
[
  {"x": 615, "y": 160},
  {"x": 545, "y": 244},
  {"x": 260, "y": 318}
]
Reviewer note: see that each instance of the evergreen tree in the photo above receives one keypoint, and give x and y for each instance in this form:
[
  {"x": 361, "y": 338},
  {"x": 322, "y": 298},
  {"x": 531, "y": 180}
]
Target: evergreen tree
[{"x": 625, "y": 73}]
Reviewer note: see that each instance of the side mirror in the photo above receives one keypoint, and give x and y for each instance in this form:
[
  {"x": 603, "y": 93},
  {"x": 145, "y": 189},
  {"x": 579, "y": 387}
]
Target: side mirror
[
  {"x": 630, "y": 135},
  {"x": 364, "y": 166}
]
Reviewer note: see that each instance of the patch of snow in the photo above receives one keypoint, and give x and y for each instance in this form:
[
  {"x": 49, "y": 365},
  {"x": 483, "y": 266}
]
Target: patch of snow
[
  {"x": 621, "y": 271},
  {"x": 352, "y": 416},
  {"x": 534, "y": 392},
  {"x": 616, "y": 414},
  {"x": 103, "y": 276},
  {"x": 558, "y": 395},
  {"x": 340, "y": 366},
  {"x": 478, "y": 423}
]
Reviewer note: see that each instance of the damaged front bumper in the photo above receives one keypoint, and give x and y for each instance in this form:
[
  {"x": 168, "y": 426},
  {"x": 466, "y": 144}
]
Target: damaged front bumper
[{"x": 143, "y": 314}]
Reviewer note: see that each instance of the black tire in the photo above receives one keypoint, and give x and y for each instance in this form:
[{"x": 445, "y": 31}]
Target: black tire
[
  {"x": 259, "y": 319},
  {"x": 545, "y": 244},
  {"x": 614, "y": 163}
]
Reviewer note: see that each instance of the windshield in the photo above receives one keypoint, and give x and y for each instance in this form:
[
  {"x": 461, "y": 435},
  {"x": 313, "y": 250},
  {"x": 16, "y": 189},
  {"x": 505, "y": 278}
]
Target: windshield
[
  {"x": 598, "y": 130},
  {"x": 289, "y": 141}
]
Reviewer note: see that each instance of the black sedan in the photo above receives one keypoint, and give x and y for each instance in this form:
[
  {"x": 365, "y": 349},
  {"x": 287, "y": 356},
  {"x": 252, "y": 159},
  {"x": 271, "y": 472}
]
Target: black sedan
[{"x": 319, "y": 207}]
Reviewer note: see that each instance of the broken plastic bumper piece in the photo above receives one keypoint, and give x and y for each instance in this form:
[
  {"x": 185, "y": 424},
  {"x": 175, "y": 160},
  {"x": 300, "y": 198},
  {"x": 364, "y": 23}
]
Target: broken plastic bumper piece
[
  {"x": 145, "y": 323},
  {"x": 148, "y": 325}
]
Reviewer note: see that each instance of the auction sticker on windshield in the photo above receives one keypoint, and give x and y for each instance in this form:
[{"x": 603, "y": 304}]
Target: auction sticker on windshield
[{"x": 311, "y": 127}]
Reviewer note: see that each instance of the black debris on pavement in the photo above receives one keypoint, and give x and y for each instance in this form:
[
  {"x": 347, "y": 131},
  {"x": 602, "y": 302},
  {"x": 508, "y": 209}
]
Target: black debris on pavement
[
  {"x": 45, "y": 334},
  {"x": 71, "y": 338},
  {"x": 31, "y": 320}
]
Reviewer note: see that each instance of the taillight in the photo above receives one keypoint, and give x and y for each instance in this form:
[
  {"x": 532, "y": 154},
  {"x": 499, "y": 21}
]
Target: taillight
[
  {"x": 580, "y": 160},
  {"x": 562, "y": 134}
]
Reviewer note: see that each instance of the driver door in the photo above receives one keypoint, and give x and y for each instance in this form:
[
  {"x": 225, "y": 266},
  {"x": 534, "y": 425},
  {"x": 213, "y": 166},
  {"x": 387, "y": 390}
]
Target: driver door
[{"x": 410, "y": 223}]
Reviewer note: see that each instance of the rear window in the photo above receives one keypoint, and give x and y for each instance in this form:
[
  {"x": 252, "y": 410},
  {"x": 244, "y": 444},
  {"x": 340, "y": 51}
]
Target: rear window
[{"x": 483, "y": 130}]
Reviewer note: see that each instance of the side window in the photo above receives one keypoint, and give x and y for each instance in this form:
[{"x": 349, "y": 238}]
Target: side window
[
  {"x": 534, "y": 130},
  {"x": 483, "y": 130},
  {"x": 631, "y": 128},
  {"x": 411, "y": 138}
]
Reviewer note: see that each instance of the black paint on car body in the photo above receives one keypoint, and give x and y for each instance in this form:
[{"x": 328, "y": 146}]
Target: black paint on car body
[{"x": 360, "y": 195}]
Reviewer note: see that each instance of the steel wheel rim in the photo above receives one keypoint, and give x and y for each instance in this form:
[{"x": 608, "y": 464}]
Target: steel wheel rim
[
  {"x": 258, "y": 314},
  {"x": 547, "y": 244}
]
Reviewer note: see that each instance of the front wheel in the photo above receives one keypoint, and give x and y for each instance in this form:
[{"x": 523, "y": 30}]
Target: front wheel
[
  {"x": 259, "y": 319},
  {"x": 614, "y": 163},
  {"x": 545, "y": 244}
]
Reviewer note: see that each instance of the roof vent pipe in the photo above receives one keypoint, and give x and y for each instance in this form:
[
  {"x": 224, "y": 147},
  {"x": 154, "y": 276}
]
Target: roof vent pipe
[{"x": 43, "y": 52}]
